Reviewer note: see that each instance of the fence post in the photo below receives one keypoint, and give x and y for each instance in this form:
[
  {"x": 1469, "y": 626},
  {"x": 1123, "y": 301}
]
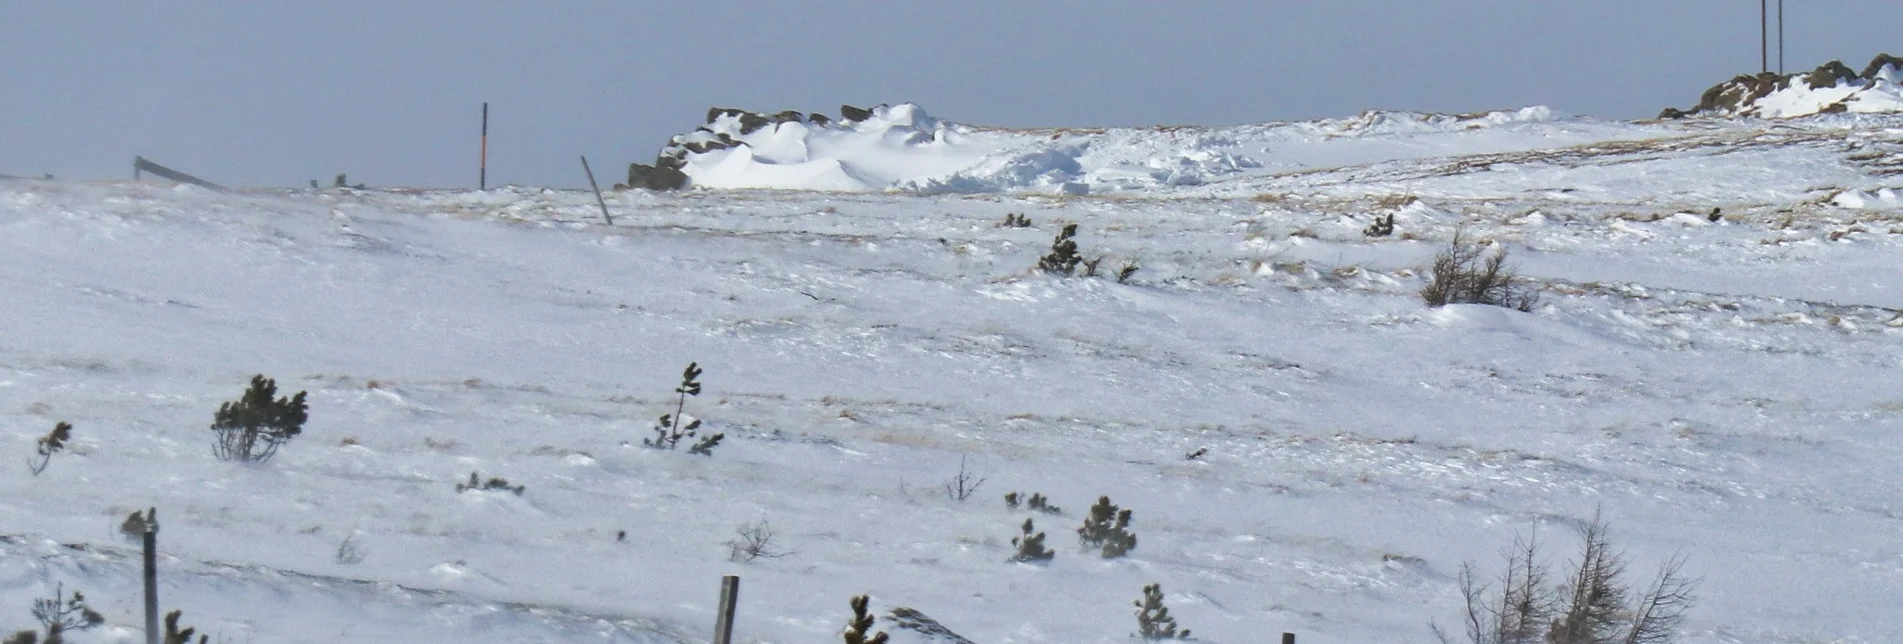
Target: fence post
[
  {"x": 597, "y": 188},
  {"x": 723, "y": 621},
  {"x": 1288, "y": 638},
  {"x": 152, "y": 576},
  {"x": 482, "y": 179},
  {"x": 137, "y": 163}
]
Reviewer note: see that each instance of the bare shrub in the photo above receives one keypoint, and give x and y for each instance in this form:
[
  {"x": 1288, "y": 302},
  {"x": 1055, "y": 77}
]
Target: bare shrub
[
  {"x": 963, "y": 485},
  {"x": 1465, "y": 273},
  {"x": 350, "y": 551},
  {"x": 1594, "y": 604},
  {"x": 753, "y": 541}
]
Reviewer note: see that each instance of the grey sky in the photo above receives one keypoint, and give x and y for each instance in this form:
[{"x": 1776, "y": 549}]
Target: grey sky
[{"x": 277, "y": 93}]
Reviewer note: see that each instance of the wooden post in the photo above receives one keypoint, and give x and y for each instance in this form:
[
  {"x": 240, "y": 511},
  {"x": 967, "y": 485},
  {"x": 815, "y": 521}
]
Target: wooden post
[
  {"x": 723, "y": 621},
  {"x": 482, "y": 179},
  {"x": 152, "y": 576},
  {"x": 597, "y": 188},
  {"x": 136, "y": 162},
  {"x": 1288, "y": 638}
]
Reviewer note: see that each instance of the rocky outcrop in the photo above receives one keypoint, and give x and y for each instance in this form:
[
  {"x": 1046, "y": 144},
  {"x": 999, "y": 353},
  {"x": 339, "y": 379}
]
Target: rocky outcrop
[
  {"x": 1741, "y": 96},
  {"x": 666, "y": 171}
]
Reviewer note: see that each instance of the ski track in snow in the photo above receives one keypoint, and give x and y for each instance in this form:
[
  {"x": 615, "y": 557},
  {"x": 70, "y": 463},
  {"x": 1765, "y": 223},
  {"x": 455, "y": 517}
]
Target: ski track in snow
[{"x": 1722, "y": 389}]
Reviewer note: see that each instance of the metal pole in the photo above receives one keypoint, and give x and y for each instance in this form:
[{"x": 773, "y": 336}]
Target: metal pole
[
  {"x": 482, "y": 180},
  {"x": 152, "y": 576},
  {"x": 723, "y": 621},
  {"x": 597, "y": 188},
  {"x": 1764, "y": 37},
  {"x": 1780, "y": 36}
]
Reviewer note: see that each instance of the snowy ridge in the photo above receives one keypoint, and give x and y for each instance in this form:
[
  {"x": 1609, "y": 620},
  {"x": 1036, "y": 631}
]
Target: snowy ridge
[{"x": 902, "y": 148}]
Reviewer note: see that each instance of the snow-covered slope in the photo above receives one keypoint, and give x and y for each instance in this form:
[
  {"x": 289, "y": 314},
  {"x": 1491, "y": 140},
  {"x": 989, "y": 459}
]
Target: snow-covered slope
[{"x": 1723, "y": 389}]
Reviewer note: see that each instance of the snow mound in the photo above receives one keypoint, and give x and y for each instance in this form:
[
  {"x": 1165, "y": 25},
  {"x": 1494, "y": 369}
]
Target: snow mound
[
  {"x": 1831, "y": 88},
  {"x": 903, "y": 148}
]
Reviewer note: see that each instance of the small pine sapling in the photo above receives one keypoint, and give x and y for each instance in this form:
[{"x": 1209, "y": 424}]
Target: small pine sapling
[
  {"x": 1063, "y": 258},
  {"x": 175, "y": 636},
  {"x": 862, "y": 623},
  {"x": 1031, "y": 546},
  {"x": 1036, "y": 502},
  {"x": 669, "y": 431},
  {"x": 1129, "y": 268},
  {"x": 60, "y": 615},
  {"x": 251, "y": 429},
  {"x": 52, "y": 442},
  {"x": 1016, "y": 220},
  {"x": 1200, "y": 451},
  {"x": 1090, "y": 266},
  {"x": 1153, "y": 619},
  {"x": 1107, "y": 528},
  {"x": 1382, "y": 227}
]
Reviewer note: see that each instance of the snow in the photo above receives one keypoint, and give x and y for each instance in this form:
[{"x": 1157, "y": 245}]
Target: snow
[{"x": 1722, "y": 389}]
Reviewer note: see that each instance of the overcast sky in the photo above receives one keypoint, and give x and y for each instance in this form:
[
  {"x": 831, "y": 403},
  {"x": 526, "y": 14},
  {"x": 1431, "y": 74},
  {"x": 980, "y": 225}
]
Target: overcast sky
[{"x": 264, "y": 92}]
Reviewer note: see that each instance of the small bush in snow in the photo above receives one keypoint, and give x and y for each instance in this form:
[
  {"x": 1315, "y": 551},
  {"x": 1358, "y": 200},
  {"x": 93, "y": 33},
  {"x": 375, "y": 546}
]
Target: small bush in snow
[
  {"x": 136, "y": 524},
  {"x": 1153, "y": 619},
  {"x": 494, "y": 483},
  {"x": 251, "y": 429},
  {"x": 1123, "y": 274},
  {"x": 1031, "y": 546},
  {"x": 1107, "y": 528},
  {"x": 1036, "y": 502},
  {"x": 1016, "y": 220},
  {"x": 1594, "y": 603},
  {"x": 1063, "y": 258},
  {"x": 862, "y": 623},
  {"x": 59, "y": 616},
  {"x": 964, "y": 484},
  {"x": 175, "y": 636},
  {"x": 52, "y": 442},
  {"x": 753, "y": 541},
  {"x": 1382, "y": 226},
  {"x": 669, "y": 431},
  {"x": 1465, "y": 273}
]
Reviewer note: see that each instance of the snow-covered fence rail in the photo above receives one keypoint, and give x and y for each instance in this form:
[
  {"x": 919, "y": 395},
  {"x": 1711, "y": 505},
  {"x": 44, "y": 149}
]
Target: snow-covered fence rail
[{"x": 140, "y": 165}]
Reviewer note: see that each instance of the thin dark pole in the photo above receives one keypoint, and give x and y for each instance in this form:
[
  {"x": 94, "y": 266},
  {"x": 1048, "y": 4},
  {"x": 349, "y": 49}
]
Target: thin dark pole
[
  {"x": 152, "y": 576},
  {"x": 482, "y": 181},
  {"x": 597, "y": 188},
  {"x": 1764, "y": 36},
  {"x": 1780, "y": 36},
  {"x": 723, "y": 620}
]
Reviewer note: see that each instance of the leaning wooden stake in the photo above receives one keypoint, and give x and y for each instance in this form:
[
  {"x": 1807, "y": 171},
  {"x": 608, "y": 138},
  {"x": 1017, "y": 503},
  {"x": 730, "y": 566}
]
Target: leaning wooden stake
[
  {"x": 723, "y": 621},
  {"x": 152, "y": 576},
  {"x": 597, "y": 188}
]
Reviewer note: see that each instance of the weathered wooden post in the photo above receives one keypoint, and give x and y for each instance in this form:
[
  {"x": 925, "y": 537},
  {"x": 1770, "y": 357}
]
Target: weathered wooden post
[
  {"x": 1288, "y": 638},
  {"x": 152, "y": 576},
  {"x": 597, "y": 188},
  {"x": 723, "y": 621}
]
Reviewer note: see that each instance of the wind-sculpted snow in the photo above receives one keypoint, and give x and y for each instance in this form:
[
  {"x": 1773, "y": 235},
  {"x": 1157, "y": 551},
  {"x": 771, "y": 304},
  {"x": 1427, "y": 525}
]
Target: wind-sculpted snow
[
  {"x": 902, "y": 148},
  {"x": 1713, "y": 367}
]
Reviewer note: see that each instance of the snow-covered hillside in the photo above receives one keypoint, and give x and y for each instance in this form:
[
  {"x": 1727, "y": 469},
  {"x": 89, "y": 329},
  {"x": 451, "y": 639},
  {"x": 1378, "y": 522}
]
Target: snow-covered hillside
[{"x": 1723, "y": 389}]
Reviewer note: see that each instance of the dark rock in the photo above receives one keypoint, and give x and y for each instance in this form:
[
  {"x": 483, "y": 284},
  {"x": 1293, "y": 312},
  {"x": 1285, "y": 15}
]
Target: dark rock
[
  {"x": 790, "y": 116},
  {"x": 750, "y": 123},
  {"x": 818, "y": 119},
  {"x": 1832, "y": 74},
  {"x": 714, "y": 113},
  {"x": 1877, "y": 64},
  {"x": 655, "y": 178},
  {"x": 1673, "y": 113},
  {"x": 852, "y": 114}
]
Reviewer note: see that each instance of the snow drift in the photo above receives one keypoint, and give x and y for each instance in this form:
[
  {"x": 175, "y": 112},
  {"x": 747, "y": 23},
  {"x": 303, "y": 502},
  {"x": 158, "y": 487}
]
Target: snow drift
[{"x": 903, "y": 148}]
